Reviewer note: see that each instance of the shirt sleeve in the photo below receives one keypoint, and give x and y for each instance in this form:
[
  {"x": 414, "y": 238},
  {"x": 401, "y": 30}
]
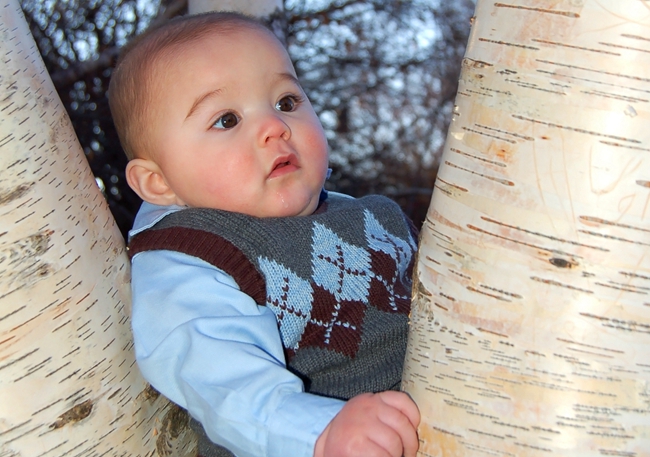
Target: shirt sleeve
[{"x": 211, "y": 349}]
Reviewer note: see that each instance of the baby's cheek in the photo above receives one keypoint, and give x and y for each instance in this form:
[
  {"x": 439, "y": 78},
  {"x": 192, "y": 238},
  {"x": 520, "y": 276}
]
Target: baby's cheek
[
  {"x": 213, "y": 183},
  {"x": 317, "y": 143}
]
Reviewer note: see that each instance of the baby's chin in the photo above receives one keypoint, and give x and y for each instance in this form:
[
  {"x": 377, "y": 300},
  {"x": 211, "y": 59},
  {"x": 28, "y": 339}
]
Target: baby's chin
[{"x": 289, "y": 207}]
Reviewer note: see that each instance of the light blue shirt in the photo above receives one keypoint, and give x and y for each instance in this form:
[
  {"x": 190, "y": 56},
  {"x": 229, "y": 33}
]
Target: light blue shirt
[{"x": 211, "y": 349}]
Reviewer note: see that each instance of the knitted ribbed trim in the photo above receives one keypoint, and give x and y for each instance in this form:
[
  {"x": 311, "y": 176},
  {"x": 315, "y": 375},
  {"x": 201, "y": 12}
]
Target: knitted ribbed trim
[{"x": 208, "y": 247}]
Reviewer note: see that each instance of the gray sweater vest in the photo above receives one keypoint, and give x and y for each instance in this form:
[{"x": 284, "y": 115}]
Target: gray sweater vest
[{"x": 338, "y": 281}]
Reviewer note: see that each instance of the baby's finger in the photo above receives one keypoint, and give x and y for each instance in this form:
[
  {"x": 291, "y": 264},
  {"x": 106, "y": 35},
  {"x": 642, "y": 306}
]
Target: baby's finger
[
  {"x": 400, "y": 426},
  {"x": 404, "y": 403},
  {"x": 389, "y": 438},
  {"x": 411, "y": 445},
  {"x": 401, "y": 431},
  {"x": 375, "y": 449}
]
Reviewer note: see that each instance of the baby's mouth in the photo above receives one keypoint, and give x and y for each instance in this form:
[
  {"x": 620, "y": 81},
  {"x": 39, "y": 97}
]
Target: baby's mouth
[
  {"x": 281, "y": 165},
  {"x": 284, "y": 165}
]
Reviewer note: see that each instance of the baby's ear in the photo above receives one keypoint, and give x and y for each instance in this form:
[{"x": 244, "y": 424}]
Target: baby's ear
[{"x": 147, "y": 180}]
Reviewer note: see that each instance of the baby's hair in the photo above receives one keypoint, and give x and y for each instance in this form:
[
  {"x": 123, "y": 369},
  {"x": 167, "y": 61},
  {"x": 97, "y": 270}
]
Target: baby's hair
[{"x": 131, "y": 87}]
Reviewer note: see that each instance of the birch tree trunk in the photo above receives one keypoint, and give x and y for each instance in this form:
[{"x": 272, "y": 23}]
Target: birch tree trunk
[
  {"x": 530, "y": 331},
  {"x": 269, "y": 11},
  {"x": 257, "y": 8},
  {"x": 68, "y": 381}
]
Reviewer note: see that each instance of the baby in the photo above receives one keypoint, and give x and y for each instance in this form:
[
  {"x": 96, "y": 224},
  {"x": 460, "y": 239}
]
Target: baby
[{"x": 274, "y": 311}]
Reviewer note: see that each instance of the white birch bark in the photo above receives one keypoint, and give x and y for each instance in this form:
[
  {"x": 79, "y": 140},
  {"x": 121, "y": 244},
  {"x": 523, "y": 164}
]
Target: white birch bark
[
  {"x": 257, "y": 8},
  {"x": 68, "y": 381},
  {"x": 530, "y": 331}
]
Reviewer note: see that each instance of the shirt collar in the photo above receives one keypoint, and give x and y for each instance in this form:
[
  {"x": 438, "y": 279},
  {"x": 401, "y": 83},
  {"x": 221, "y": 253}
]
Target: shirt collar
[{"x": 149, "y": 214}]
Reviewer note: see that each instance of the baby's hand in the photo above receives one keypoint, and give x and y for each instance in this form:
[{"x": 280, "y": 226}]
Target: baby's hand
[{"x": 372, "y": 425}]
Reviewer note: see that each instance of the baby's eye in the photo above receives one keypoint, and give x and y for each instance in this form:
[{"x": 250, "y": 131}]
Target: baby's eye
[
  {"x": 227, "y": 121},
  {"x": 288, "y": 103}
]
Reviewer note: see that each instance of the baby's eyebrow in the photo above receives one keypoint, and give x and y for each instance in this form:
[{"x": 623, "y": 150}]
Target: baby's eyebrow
[
  {"x": 201, "y": 99},
  {"x": 214, "y": 93},
  {"x": 289, "y": 77}
]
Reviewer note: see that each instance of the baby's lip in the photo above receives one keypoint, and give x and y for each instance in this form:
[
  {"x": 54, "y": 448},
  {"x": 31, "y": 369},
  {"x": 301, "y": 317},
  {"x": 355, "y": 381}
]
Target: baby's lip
[{"x": 283, "y": 164}]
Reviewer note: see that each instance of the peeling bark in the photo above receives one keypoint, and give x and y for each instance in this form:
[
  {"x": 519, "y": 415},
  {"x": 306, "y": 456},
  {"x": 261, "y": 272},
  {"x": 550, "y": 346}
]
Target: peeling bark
[{"x": 530, "y": 329}]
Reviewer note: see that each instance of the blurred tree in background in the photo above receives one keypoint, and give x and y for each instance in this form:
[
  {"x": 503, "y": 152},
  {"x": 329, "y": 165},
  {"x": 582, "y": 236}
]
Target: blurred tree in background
[{"x": 382, "y": 74}]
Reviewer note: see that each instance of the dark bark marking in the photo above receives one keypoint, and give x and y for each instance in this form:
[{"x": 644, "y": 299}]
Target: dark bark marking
[{"x": 73, "y": 415}]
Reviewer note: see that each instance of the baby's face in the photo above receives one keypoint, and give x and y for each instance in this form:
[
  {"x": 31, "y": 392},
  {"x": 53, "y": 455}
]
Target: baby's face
[{"x": 233, "y": 129}]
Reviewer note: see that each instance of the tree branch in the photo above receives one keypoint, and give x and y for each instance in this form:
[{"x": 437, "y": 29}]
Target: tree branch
[{"x": 107, "y": 57}]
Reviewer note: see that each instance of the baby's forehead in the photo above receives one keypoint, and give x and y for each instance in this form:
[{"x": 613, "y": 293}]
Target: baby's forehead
[
  {"x": 217, "y": 35},
  {"x": 215, "y": 38},
  {"x": 189, "y": 58}
]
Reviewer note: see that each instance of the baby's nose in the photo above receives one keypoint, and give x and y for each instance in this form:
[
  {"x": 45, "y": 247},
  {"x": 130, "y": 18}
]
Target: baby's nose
[{"x": 273, "y": 127}]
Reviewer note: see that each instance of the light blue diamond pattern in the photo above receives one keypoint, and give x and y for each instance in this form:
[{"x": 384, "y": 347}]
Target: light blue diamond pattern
[
  {"x": 293, "y": 309},
  {"x": 340, "y": 268},
  {"x": 380, "y": 240}
]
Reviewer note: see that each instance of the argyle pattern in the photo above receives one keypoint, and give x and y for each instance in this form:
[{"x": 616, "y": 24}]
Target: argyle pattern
[
  {"x": 320, "y": 274},
  {"x": 344, "y": 275}
]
